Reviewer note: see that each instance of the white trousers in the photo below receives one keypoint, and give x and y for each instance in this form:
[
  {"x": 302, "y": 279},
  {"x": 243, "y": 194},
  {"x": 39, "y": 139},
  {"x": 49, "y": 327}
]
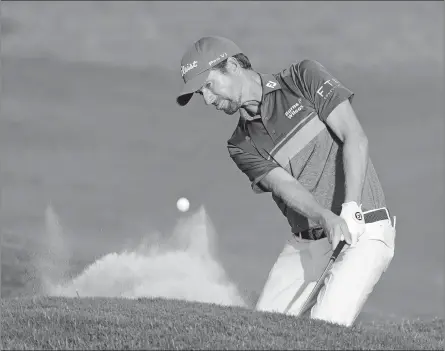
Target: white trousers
[{"x": 346, "y": 287}]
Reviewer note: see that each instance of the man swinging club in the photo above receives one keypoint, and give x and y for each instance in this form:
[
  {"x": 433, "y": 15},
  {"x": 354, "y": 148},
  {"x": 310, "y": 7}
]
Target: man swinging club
[{"x": 299, "y": 139}]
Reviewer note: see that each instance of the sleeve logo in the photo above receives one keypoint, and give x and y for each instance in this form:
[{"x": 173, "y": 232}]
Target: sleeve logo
[
  {"x": 328, "y": 87},
  {"x": 271, "y": 84}
]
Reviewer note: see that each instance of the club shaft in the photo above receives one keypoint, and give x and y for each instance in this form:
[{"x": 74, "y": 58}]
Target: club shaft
[{"x": 320, "y": 280}]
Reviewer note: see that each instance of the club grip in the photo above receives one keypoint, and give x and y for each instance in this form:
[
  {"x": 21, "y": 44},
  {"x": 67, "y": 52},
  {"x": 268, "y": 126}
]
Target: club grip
[{"x": 338, "y": 250}]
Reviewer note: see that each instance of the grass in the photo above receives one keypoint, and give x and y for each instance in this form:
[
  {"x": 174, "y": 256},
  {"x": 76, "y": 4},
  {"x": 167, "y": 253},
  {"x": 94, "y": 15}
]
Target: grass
[{"x": 100, "y": 323}]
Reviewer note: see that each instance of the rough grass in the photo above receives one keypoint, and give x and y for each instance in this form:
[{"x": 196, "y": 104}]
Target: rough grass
[{"x": 100, "y": 323}]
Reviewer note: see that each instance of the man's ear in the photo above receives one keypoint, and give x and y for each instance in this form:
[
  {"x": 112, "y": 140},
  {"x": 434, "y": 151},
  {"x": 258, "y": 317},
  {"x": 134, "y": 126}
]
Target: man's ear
[{"x": 233, "y": 65}]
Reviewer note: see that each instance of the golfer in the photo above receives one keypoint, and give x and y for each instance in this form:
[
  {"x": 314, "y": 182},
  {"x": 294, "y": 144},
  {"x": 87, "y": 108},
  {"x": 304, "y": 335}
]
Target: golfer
[{"x": 299, "y": 138}]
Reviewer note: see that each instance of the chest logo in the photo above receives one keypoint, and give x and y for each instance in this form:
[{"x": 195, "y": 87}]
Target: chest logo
[{"x": 294, "y": 109}]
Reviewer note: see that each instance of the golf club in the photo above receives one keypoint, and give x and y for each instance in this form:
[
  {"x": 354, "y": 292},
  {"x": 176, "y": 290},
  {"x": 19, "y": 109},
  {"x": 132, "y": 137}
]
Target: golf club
[{"x": 320, "y": 280}]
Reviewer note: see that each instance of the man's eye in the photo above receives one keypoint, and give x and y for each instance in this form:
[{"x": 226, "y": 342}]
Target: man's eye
[{"x": 206, "y": 86}]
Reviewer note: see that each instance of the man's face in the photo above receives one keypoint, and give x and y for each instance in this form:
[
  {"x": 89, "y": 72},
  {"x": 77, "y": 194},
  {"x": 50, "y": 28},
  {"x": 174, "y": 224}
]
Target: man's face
[{"x": 223, "y": 90}]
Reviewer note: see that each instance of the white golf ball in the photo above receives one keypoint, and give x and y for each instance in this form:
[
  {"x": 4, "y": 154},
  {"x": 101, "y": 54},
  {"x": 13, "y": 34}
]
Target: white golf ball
[{"x": 183, "y": 204}]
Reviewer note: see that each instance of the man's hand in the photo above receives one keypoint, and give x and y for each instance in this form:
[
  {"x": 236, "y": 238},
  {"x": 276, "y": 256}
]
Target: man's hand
[
  {"x": 336, "y": 229},
  {"x": 353, "y": 215}
]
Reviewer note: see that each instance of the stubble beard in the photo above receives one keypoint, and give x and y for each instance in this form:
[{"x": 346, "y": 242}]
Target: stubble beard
[{"x": 233, "y": 106}]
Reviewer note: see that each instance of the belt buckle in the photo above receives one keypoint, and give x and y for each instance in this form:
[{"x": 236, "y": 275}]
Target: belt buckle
[{"x": 316, "y": 233}]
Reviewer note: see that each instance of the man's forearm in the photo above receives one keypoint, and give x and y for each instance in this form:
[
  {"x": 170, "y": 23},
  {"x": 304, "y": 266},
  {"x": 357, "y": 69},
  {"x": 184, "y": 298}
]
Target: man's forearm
[
  {"x": 355, "y": 161},
  {"x": 299, "y": 199}
]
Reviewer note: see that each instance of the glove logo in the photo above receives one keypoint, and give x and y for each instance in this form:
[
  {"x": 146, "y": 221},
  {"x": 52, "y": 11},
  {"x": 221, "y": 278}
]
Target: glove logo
[{"x": 359, "y": 216}]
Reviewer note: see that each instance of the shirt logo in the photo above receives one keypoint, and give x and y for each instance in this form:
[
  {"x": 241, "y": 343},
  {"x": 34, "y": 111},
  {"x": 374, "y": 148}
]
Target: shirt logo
[
  {"x": 294, "y": 109},
  {"x": 188, "y": 67},
  {"x": 271, "y": 84}
]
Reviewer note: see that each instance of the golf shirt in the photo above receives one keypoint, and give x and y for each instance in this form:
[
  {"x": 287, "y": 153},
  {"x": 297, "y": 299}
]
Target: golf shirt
[{"x": 291, "y": 132}]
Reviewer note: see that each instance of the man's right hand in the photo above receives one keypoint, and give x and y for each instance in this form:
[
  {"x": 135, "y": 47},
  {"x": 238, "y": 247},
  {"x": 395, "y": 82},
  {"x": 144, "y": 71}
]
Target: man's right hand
[
  {"x": 335, "y": 228},
  {"x": 283, "y": 185}
]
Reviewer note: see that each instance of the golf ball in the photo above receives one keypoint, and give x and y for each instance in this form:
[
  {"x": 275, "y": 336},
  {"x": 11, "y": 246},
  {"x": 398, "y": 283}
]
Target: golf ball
[{"x": 183, "y": 204}]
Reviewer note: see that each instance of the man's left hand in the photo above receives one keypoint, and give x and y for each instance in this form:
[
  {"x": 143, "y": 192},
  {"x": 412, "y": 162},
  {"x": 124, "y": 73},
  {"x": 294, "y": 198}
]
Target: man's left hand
[{"x": 352, "y": 213}]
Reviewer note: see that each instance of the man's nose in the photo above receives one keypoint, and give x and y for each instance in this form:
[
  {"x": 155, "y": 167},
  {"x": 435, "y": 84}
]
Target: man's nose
[{"x": 209, "y": 98}]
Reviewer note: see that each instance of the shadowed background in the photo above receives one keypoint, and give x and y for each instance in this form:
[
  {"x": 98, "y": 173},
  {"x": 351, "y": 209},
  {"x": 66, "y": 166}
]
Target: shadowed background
[{"x": 89, "y": 124}]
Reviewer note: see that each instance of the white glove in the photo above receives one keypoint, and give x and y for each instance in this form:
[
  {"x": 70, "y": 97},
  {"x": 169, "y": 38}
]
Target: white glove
[{"x": 352, "y": 213}]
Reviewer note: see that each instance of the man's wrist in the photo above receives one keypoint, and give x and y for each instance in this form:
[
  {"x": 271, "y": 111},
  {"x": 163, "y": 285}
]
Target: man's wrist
[
  {"x": 351, "y": 203},
  {"x": 324, "y": 216},
  {"x": 357, "y": 200}
]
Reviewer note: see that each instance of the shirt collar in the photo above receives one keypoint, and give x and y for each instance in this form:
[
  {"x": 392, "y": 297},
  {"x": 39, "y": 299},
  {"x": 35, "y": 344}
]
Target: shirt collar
[{"x": 269, "y": 84}]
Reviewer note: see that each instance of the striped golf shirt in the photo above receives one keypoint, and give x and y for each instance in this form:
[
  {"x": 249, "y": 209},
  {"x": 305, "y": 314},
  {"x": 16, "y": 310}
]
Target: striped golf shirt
[{"x": 291, "y": 132}]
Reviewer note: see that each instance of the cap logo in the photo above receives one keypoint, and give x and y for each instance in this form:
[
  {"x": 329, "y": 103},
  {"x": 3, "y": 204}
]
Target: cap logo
[
  {"x": 222, "y": 56},
  {"x": 188, "y": 67}
]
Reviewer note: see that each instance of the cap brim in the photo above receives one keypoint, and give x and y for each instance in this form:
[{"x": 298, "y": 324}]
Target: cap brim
[{"x": 190, "y": 88}]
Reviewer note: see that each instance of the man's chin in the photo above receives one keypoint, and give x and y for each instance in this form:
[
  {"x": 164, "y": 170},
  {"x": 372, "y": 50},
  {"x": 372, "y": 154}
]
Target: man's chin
[{"x": 230, "y": 112}]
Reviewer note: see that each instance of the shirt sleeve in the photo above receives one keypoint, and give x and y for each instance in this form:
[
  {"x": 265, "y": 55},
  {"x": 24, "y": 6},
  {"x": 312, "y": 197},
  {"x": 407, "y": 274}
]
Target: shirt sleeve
[
  {"x": 254, "y": 166},
  {"x": 321, "y": 88}
]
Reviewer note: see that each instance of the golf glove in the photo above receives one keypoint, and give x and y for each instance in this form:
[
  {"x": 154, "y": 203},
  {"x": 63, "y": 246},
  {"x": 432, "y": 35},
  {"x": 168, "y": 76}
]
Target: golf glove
[{"x": 352, "y": 213}]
